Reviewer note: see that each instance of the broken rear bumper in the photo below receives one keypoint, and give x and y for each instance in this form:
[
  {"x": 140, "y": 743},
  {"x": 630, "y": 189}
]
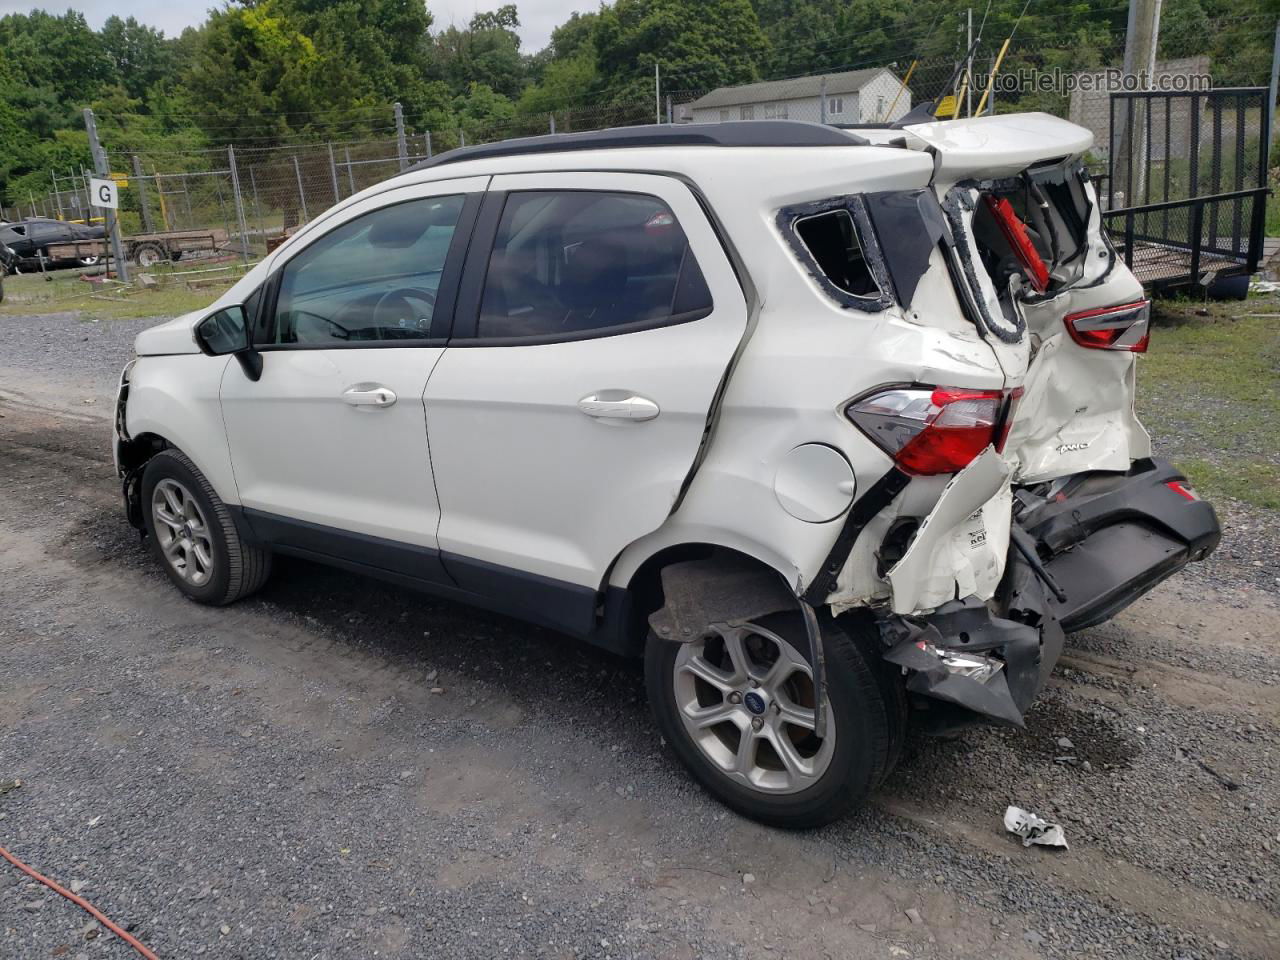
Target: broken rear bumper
[
  {"x": 1110, "y": 538},
  {"x": 1100, "y": 542}
]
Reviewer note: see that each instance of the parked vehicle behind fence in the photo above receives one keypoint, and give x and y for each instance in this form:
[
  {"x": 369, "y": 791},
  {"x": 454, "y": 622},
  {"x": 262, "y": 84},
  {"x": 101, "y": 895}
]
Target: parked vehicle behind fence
[
  {"x": 8, "y": 262},
  {"x": 834, "y": 429},
  {"x": 31, "y": 239}
]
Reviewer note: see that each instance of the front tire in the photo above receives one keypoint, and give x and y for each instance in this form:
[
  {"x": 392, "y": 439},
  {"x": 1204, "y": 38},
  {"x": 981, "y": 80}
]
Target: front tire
[
  {"x": 193, "y": 535},
  {"x": 736, "y": 705}
]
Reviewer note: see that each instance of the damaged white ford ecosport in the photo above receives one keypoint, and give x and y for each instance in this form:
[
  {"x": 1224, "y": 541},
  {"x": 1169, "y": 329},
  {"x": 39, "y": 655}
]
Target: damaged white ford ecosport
[{"x": 833, "y": 428}]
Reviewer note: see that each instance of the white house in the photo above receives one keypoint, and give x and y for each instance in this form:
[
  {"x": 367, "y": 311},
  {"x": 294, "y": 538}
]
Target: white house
[{"x": 873, "y": 95}]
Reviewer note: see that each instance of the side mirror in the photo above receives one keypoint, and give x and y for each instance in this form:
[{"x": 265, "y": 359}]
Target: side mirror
[{"x": 227, "y": 332}]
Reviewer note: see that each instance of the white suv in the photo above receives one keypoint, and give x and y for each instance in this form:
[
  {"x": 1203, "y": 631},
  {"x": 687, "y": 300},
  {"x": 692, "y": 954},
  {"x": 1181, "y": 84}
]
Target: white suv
[{"x": 829, "y": 426}]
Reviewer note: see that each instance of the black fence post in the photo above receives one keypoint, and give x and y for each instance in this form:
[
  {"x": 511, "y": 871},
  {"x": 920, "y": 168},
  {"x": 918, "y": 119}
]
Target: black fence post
[
  {"x": 1128, "y": 239},
  {"x": 1193, "y": 189},
  {"x": 1196, "y": 238}
]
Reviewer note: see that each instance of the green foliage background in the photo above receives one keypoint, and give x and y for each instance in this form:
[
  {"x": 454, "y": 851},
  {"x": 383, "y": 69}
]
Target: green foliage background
[{"x": 261, "y": 73}]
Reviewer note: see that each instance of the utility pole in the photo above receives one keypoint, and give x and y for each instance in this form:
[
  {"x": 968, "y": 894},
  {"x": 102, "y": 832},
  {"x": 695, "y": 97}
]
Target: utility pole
[
  {"x": 657, "y": 94},
  {"x": 822, "y": 100},
  {"x": 1275, "y": 76},
  {"x": 104, "y": 171},
  {"x": 1141, "y": 42},
  {"x": 402, "y": 147},
  {"x": 968, "y": 68}
]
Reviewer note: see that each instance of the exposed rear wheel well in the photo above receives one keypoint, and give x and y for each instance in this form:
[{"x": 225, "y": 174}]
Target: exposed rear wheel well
[{"x": 645, "y": 595}]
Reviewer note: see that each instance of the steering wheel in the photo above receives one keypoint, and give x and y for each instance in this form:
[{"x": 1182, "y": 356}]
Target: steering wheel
[{"x": 405, "y": 316}]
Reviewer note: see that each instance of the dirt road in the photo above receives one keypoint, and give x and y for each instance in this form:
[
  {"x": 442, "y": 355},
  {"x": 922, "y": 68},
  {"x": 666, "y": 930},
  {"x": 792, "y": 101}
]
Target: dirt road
[{"x": 279, "y": 779}]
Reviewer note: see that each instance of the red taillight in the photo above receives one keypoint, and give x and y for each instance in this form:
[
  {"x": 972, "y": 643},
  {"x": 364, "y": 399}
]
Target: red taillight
[
  {"x": 1123, "y": 327},
  {"x": 1015, "y": 234},
  {"x": 1181, "y": 489},
  {"x": 934, "y": 430}
]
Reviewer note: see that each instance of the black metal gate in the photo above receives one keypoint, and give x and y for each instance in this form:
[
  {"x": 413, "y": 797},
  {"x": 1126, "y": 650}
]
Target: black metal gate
[{"x": 1186, "y": 192}]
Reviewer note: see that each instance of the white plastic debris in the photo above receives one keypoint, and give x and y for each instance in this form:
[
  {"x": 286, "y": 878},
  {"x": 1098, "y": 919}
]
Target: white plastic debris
[{"x": 1032, "y": 829}]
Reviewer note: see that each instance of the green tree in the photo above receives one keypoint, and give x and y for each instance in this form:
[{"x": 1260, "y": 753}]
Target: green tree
[
  {"x": 140, "y": 56},
  {"x": 377, "y": 50},
  {"x": 56, "y": 53},
  {"x": 256, "y": 76},
  {"x": 698, "y": 43},
  {"x": 565, "y": 84},
  {"x": 487, "y": 52}
]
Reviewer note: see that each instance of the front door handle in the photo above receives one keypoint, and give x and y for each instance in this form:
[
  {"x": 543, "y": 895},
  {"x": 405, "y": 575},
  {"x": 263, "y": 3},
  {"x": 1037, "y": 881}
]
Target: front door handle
[
  {"x": 369, "y": 395},
  {"x": 614, "y": 405}
]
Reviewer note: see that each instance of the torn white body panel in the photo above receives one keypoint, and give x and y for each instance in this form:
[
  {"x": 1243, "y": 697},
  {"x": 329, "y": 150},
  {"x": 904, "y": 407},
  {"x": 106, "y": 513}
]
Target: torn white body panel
[
  {"x": 1076, "y": 413},
  {"x": 1077, "y": 406},
  {"x": 960, "y": 549},
  {"x": 860, "y": 582}
]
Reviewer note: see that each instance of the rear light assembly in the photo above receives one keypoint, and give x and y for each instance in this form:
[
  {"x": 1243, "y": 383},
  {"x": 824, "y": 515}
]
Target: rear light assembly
[
  {"x": 1015, "y": 234},
  {"x": 933, "y": 430},
  {"x": 1123, "y": 327},
  {"x": 1183, "y": 489}
]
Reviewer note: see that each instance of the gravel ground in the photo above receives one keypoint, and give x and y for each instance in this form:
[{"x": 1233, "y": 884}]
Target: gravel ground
[{"x": 279, "y": 779}]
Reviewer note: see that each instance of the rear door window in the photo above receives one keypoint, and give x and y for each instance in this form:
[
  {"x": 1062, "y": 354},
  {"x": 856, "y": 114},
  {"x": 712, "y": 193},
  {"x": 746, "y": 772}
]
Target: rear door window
[{"x": 577, "y": 263}]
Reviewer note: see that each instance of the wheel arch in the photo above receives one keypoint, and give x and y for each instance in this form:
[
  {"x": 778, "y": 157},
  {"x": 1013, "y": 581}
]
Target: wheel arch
[
  {"x": 172, "y": 402},
  {"x": 634, "y": 587}
]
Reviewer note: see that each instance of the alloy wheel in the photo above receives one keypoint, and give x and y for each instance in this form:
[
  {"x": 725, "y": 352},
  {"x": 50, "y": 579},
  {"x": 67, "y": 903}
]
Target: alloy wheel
[
  {"x": 746, "y": 698},
  {"x": 182, "y": 532}
]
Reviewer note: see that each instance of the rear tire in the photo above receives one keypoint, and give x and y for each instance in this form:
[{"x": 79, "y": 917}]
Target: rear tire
[
  {"x": 861, "y": 628},
  {"x": 858, "y": 725},
  {"x": 192, "y": 534}
]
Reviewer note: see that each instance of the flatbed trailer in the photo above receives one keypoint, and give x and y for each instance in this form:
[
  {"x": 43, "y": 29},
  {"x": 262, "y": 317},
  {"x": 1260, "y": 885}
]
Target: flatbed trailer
[{"x": 145, "y": 249}]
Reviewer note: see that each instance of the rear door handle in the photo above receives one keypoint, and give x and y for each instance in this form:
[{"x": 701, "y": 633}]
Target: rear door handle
[
  {"x": 369, "y": 395},
  {"x": 603, "y": 406}
]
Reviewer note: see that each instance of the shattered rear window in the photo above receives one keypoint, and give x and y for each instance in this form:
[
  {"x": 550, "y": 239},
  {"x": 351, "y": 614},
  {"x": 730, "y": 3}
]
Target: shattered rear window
[
  {"x": 837, "y": 244},
  {"x": 832, "y": 241}
]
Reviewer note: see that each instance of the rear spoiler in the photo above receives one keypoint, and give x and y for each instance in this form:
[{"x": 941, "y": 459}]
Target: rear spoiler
[{"x": 987, "y": 148}]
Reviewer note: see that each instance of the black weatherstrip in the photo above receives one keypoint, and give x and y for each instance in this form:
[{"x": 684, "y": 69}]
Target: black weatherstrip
[
  {"x": 466, "y": 315},
  {"x": 882, "y": 493},
  {"x": 447, "y": 290}
]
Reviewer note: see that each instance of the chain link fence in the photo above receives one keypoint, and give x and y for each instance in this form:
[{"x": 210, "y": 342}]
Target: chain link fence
[{"x": 250, "y": 195}]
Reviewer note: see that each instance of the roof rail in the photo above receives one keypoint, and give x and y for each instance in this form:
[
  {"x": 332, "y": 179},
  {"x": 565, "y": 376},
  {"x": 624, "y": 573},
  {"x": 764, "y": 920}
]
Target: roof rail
[{"x": 733, "y": 133}]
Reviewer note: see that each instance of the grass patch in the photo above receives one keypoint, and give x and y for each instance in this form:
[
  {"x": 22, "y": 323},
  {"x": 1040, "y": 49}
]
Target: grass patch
[
  {"x": 63, "y": 291},
  {"x": 1249, "y": 482},
  {"x": 1209, "y": 392}
]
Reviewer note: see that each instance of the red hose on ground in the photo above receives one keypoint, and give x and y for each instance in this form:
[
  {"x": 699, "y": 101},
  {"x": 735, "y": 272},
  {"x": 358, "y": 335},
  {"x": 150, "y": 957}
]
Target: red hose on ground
[{"x": 79, "y": 902}]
